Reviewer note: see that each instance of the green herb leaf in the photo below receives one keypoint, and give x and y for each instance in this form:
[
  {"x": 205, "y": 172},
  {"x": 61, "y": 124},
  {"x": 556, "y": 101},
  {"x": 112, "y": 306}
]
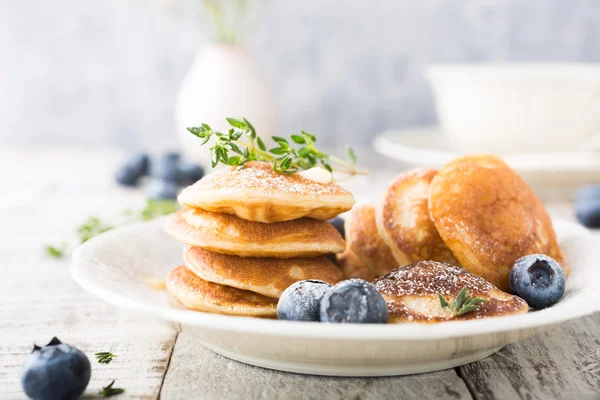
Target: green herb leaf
[
  {"x": 104, "y": 357},
  {"x": 298, "y": 139},
  {"x": 109, "y": 390},
  {"x": 236, "y": 123},
  {"x": 351, "y": 154},
  {"x": 260, "y": 143},
  {"x": 55, "y": 251},
  {"x": 443, "y": 302},
  {"x": 463, "y": 303}
]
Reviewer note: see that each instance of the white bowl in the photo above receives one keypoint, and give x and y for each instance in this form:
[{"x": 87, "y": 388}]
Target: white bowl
[
  {"x": 116, "y": 266},
  {"x": 508, "y": 108}
]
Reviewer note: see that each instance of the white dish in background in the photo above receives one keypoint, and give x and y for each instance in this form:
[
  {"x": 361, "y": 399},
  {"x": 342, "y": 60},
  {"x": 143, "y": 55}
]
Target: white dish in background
[
  {"x": 116, "y": 266},
  {"x": 524, "y": 107},
  {"x": 428, "y": 146}
]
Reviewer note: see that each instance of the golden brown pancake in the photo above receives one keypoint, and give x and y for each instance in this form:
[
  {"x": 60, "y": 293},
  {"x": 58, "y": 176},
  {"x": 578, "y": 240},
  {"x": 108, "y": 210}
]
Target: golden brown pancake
[
  {"x": 200, "y": 295},
  {"x": 363, "y": 239},
  {"x": 411, "y": 294},
  {"x": 489, "y": 217},
  {"x": 228, "y": 234},
  {"x": 257, "y": 193},
  {"x": 266, "y": 276},
  {"x": 403, "y": 220},
  {"x": 352, "y": 268}
]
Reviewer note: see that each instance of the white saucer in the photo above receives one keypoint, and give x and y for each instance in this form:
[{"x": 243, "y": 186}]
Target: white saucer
[
  {"x": 116, "y": 266},
  {"x": 427, "y": 146}
]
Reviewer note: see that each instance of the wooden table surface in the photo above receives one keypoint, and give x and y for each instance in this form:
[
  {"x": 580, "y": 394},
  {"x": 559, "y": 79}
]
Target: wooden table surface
[{"x": 47, "y": 193}]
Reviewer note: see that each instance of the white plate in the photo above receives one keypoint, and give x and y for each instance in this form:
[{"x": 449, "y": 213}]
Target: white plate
[
  {"x": 116, "y": 266},
  {"x": 428, "y": 146}
]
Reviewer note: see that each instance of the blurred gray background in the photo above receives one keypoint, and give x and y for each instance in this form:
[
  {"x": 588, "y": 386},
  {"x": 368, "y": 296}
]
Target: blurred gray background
[{"x": 98, "y": 73}]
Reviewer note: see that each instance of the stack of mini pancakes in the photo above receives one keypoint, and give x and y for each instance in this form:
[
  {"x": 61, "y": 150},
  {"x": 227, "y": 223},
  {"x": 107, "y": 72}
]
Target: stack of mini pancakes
[{"x": 251, "y": 233}]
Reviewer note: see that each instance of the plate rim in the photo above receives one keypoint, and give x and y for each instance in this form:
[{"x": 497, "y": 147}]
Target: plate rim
[
  {"x": 523, "y": 162},
  {"x": 374, "y": 332}
]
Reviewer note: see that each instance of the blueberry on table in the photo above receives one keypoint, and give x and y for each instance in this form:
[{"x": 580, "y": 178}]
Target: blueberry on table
[
  {"x": 301, "y": 301},
  {"x": 162, "y": 190},
  {"x": 190, "y": 173},
  {"x": 587, "y": 206},
  {"x": 55, "y": 371},
  {"x": 353, "y": 301},
  {"x": 537, "y": 279},
  {"x": 166, "y": 167},
  {"x": 127, "y": 176},
  {"x": 338, "y": 223},
  {"x": 140, "y": 162}
]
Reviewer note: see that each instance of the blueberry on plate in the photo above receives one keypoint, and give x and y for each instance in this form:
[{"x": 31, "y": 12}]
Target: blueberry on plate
[
  {"x": 353, "y": 301},
  {"x": 537, "y": 279},
  {"x": 301, "y": 301},
  {"x": 166, "y": 168},
  {"x": 338, "y": 223},
  {"x": 190, "y": 173},
  {"x": 162, "y": 190},
  {"x": 587, "y": 206},
  {"x": 55, "y": 371}
]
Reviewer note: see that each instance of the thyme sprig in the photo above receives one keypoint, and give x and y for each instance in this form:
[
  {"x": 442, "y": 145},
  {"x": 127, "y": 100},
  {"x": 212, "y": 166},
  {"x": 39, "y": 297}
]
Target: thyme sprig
[
  {"x": 104, "y": 357},
  {"x": 109, "y": 390},
  {"x": 241, "y": 144},
  {"x": 463, "y": 303}
]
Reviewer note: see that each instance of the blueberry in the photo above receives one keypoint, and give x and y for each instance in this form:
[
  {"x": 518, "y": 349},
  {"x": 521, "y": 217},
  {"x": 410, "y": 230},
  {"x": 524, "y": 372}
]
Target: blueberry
[
  {"x": 301, "y": 301},
  {"x": 338, "y": 223},
  {"x": 537, "y": 279},
  {"x": 166, "y": 167},
  {"x": 55, "y": 371},
  {"x": 127, "y": 176},
  {"x": 162, "y": 190},
  {"x": 587, "y": 206},
  {"x": 140, "y": 162},
  {"x": 353, "y": 301},
  {"x": 190, "y": 173}
]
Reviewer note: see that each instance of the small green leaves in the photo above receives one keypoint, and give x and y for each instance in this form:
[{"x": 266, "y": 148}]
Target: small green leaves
[
  {"x": 158, "y": 208},
  {"x": 288, "y": 157},
  {"x": 104, "y": 357},
  {"x": 463, "y": 303},
  {"x": 92, "y": 227},
  {"x": 109, "y": 390},
  {"x": 55, "y": 251}
]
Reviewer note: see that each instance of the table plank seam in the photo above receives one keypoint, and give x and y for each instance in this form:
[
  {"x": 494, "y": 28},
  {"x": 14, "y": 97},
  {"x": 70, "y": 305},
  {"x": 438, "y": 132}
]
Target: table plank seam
[{"x": 170, "y": 357}]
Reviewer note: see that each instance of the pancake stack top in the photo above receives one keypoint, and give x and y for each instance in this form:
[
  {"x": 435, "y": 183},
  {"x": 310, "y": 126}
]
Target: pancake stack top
[{"x": 251, "y": 233}]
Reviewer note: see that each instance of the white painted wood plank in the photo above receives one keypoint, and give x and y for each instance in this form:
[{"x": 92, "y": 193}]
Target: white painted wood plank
[
  {"x": 196, "y": 372},
  {"x": 563, "y": 363}
]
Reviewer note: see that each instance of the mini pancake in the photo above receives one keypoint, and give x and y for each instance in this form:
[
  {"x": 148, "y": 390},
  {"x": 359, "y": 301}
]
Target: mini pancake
[
  {"x": 352, "y": 268},
  {"x": 411, "y": 294},
  {"x": 489, "y": 217},
  {"x": 363, "y": 240},
  {"x": 403, "y": 220},
  {"x": 257, "y": 193},
  {"x": 266, "y": 276},
  {"x": 228, "y": 234},
  {"x": 200, "y": 295}
]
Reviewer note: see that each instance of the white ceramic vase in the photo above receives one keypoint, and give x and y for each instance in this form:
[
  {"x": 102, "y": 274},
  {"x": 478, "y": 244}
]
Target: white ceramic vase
[{"x": 224, "y": 81}]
